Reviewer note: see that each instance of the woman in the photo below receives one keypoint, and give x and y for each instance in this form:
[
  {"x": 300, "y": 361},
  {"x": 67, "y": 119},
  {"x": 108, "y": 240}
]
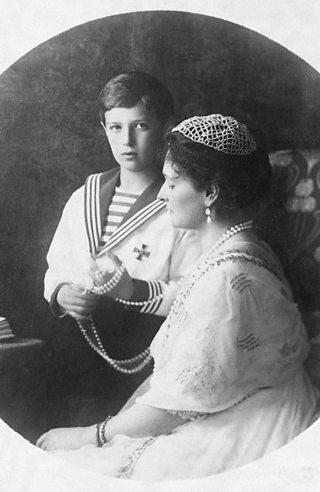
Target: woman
[{"x": 228, "y": 384}]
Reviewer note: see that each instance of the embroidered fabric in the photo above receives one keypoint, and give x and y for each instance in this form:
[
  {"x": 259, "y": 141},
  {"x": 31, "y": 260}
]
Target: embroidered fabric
[
  {"x": 222, "y": 133},
  {"x": 231, "y": 370},
  {"x": 192, "y": 416},
  {"x": 126, "y": 470},
  {"x": 220, "y": 343}
]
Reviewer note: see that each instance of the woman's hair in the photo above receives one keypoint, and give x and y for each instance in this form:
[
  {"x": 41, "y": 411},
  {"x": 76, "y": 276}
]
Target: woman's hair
[
  {"x": 241, "y": 179},
  {"x": 128, "y": 89}
]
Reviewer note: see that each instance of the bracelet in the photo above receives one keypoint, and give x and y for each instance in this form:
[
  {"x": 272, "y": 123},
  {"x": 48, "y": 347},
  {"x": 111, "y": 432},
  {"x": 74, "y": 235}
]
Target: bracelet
[
  {"x": 98, "y": 439},
  {"x": 103, "y": 428},
  {"x": 100, "y": 432}
]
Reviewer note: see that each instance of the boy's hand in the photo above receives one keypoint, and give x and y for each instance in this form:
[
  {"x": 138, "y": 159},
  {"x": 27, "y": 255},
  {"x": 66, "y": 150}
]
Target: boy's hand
[{"x": 76, "y": 302}]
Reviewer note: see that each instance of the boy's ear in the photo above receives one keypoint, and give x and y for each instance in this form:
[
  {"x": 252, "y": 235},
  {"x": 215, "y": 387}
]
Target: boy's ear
[
  {"x": 103, "y": 125},
  {"x": 211, "y": 195}
]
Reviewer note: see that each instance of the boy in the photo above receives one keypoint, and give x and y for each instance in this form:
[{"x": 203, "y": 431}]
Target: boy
[{"x": 118, "y": 211}]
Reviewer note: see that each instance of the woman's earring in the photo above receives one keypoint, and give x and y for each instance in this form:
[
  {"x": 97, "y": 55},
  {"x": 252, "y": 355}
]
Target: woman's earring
[{"x": 208, "y": 214}]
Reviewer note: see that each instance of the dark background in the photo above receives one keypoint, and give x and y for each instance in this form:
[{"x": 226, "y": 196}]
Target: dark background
[{"x": 51, "y": 139}]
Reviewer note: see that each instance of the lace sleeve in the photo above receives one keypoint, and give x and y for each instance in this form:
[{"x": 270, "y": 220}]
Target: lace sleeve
[{"x": 227, "y": 338}]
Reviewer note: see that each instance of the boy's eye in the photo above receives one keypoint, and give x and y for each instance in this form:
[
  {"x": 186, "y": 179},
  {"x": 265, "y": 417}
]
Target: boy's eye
[{"x": 114, "y": 127}]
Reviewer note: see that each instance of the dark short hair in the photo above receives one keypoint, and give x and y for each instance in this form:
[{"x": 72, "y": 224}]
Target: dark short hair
[
  {"x": 242, "y": 179},
  {"x": 127, "y": 89}
]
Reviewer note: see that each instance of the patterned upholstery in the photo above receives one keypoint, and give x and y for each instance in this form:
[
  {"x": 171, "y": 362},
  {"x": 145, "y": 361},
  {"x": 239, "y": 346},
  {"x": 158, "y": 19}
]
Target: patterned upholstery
[
  {"x": 294, "y": 227},
  {"x": 294, "y": 232}
]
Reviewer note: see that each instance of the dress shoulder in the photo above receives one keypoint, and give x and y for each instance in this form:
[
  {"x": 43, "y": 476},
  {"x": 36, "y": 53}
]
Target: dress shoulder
[{"x": 249, "y": 256}]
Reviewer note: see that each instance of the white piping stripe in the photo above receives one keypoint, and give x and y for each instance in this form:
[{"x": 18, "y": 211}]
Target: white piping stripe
[
  {"x": 92, "y": 211},
  {"x": 97, "y": 208},
  {"x": 135, "y": 221},
  {"x": 87, "y": 219},
  {"x": 155, "y": 289},
  {"x": 92, "y": 198},
  {"x": 156, "y": 307},
  {"x": 156, "y": 204},
  {"x": 151, "y": 294}
]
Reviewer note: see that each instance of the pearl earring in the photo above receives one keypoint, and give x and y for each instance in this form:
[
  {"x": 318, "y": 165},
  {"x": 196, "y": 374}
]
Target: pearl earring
[{"x": 208, "y": 214}]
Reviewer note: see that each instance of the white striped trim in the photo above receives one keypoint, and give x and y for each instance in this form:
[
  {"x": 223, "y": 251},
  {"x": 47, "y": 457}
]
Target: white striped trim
[
  {"x": 92, "y": 217},
  {"x": 118, "y": 209},
  {"x": 133, "y": 223},
  {"x": 127, "y": 470},
  {"x": 155, "y": 289},
  {"x": 92, "y": 211}
]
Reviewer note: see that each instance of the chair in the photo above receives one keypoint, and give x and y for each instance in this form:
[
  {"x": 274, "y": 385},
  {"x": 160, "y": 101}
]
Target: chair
[{"x": 294, "y": 232}]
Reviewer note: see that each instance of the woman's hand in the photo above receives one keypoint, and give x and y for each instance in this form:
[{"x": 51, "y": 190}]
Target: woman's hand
[
  {"x": 76, "y": 302},
  {"x": 105, "y": 268},
  {"x": 67, "y": 438}
]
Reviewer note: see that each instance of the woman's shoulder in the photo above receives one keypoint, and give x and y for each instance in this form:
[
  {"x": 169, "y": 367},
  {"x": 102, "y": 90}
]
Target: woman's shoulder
[
  {"x": 246, "y": 254},
  {"x": 254, "y": 262}
]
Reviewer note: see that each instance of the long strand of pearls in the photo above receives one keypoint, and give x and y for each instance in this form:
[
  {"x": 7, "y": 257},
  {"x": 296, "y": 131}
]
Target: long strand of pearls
[
  {"x": 140, "y": 361},
  {"x": 110, "y": 284},
  {"x": 139, "y": 303},
  {"x": 126, "y": 366}
]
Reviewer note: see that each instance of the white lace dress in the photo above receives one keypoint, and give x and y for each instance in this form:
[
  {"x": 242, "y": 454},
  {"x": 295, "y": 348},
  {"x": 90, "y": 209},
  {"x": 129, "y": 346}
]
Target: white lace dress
[{"x": 229, "y": 360}]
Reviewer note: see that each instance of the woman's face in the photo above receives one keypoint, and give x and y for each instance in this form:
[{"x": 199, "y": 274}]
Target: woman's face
[
  {"x": 134, "y": 135},
  {"x": 185, "y": 204}
]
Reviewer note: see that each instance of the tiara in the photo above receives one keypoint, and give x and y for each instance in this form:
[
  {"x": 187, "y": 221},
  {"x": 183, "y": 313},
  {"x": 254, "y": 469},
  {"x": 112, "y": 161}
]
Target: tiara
[{"x": 222, "y": 133}]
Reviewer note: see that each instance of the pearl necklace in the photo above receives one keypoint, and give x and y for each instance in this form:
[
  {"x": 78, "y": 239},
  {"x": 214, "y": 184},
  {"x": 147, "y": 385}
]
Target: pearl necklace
[
  {"x": 225, "y": 236},
  {"x": 228, "y": 234},
  {"x": 110, "y": 284},
  {"x": 140, "y": 361},
  {"x": 200, "y": 268},
  {"x": 126, "y": 366},
  {"x": 139, "y": 303}
]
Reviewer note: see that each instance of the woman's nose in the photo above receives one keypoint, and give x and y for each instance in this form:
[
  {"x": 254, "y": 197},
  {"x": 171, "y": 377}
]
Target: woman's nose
[{"x": 162, "y": 194}]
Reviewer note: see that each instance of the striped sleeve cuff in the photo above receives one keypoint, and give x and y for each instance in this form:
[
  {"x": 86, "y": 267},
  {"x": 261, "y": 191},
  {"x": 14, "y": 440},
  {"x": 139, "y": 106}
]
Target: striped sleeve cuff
[{"x": 149, "y": 294}]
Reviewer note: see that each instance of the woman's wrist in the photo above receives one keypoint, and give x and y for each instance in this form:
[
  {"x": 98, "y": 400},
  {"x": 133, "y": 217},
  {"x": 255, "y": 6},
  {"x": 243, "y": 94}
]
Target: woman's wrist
[{"x": 89, "y": 435}]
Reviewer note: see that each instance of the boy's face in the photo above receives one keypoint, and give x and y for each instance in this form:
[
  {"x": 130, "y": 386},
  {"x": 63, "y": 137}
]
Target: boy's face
[{"x": 134, "y": 135}]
